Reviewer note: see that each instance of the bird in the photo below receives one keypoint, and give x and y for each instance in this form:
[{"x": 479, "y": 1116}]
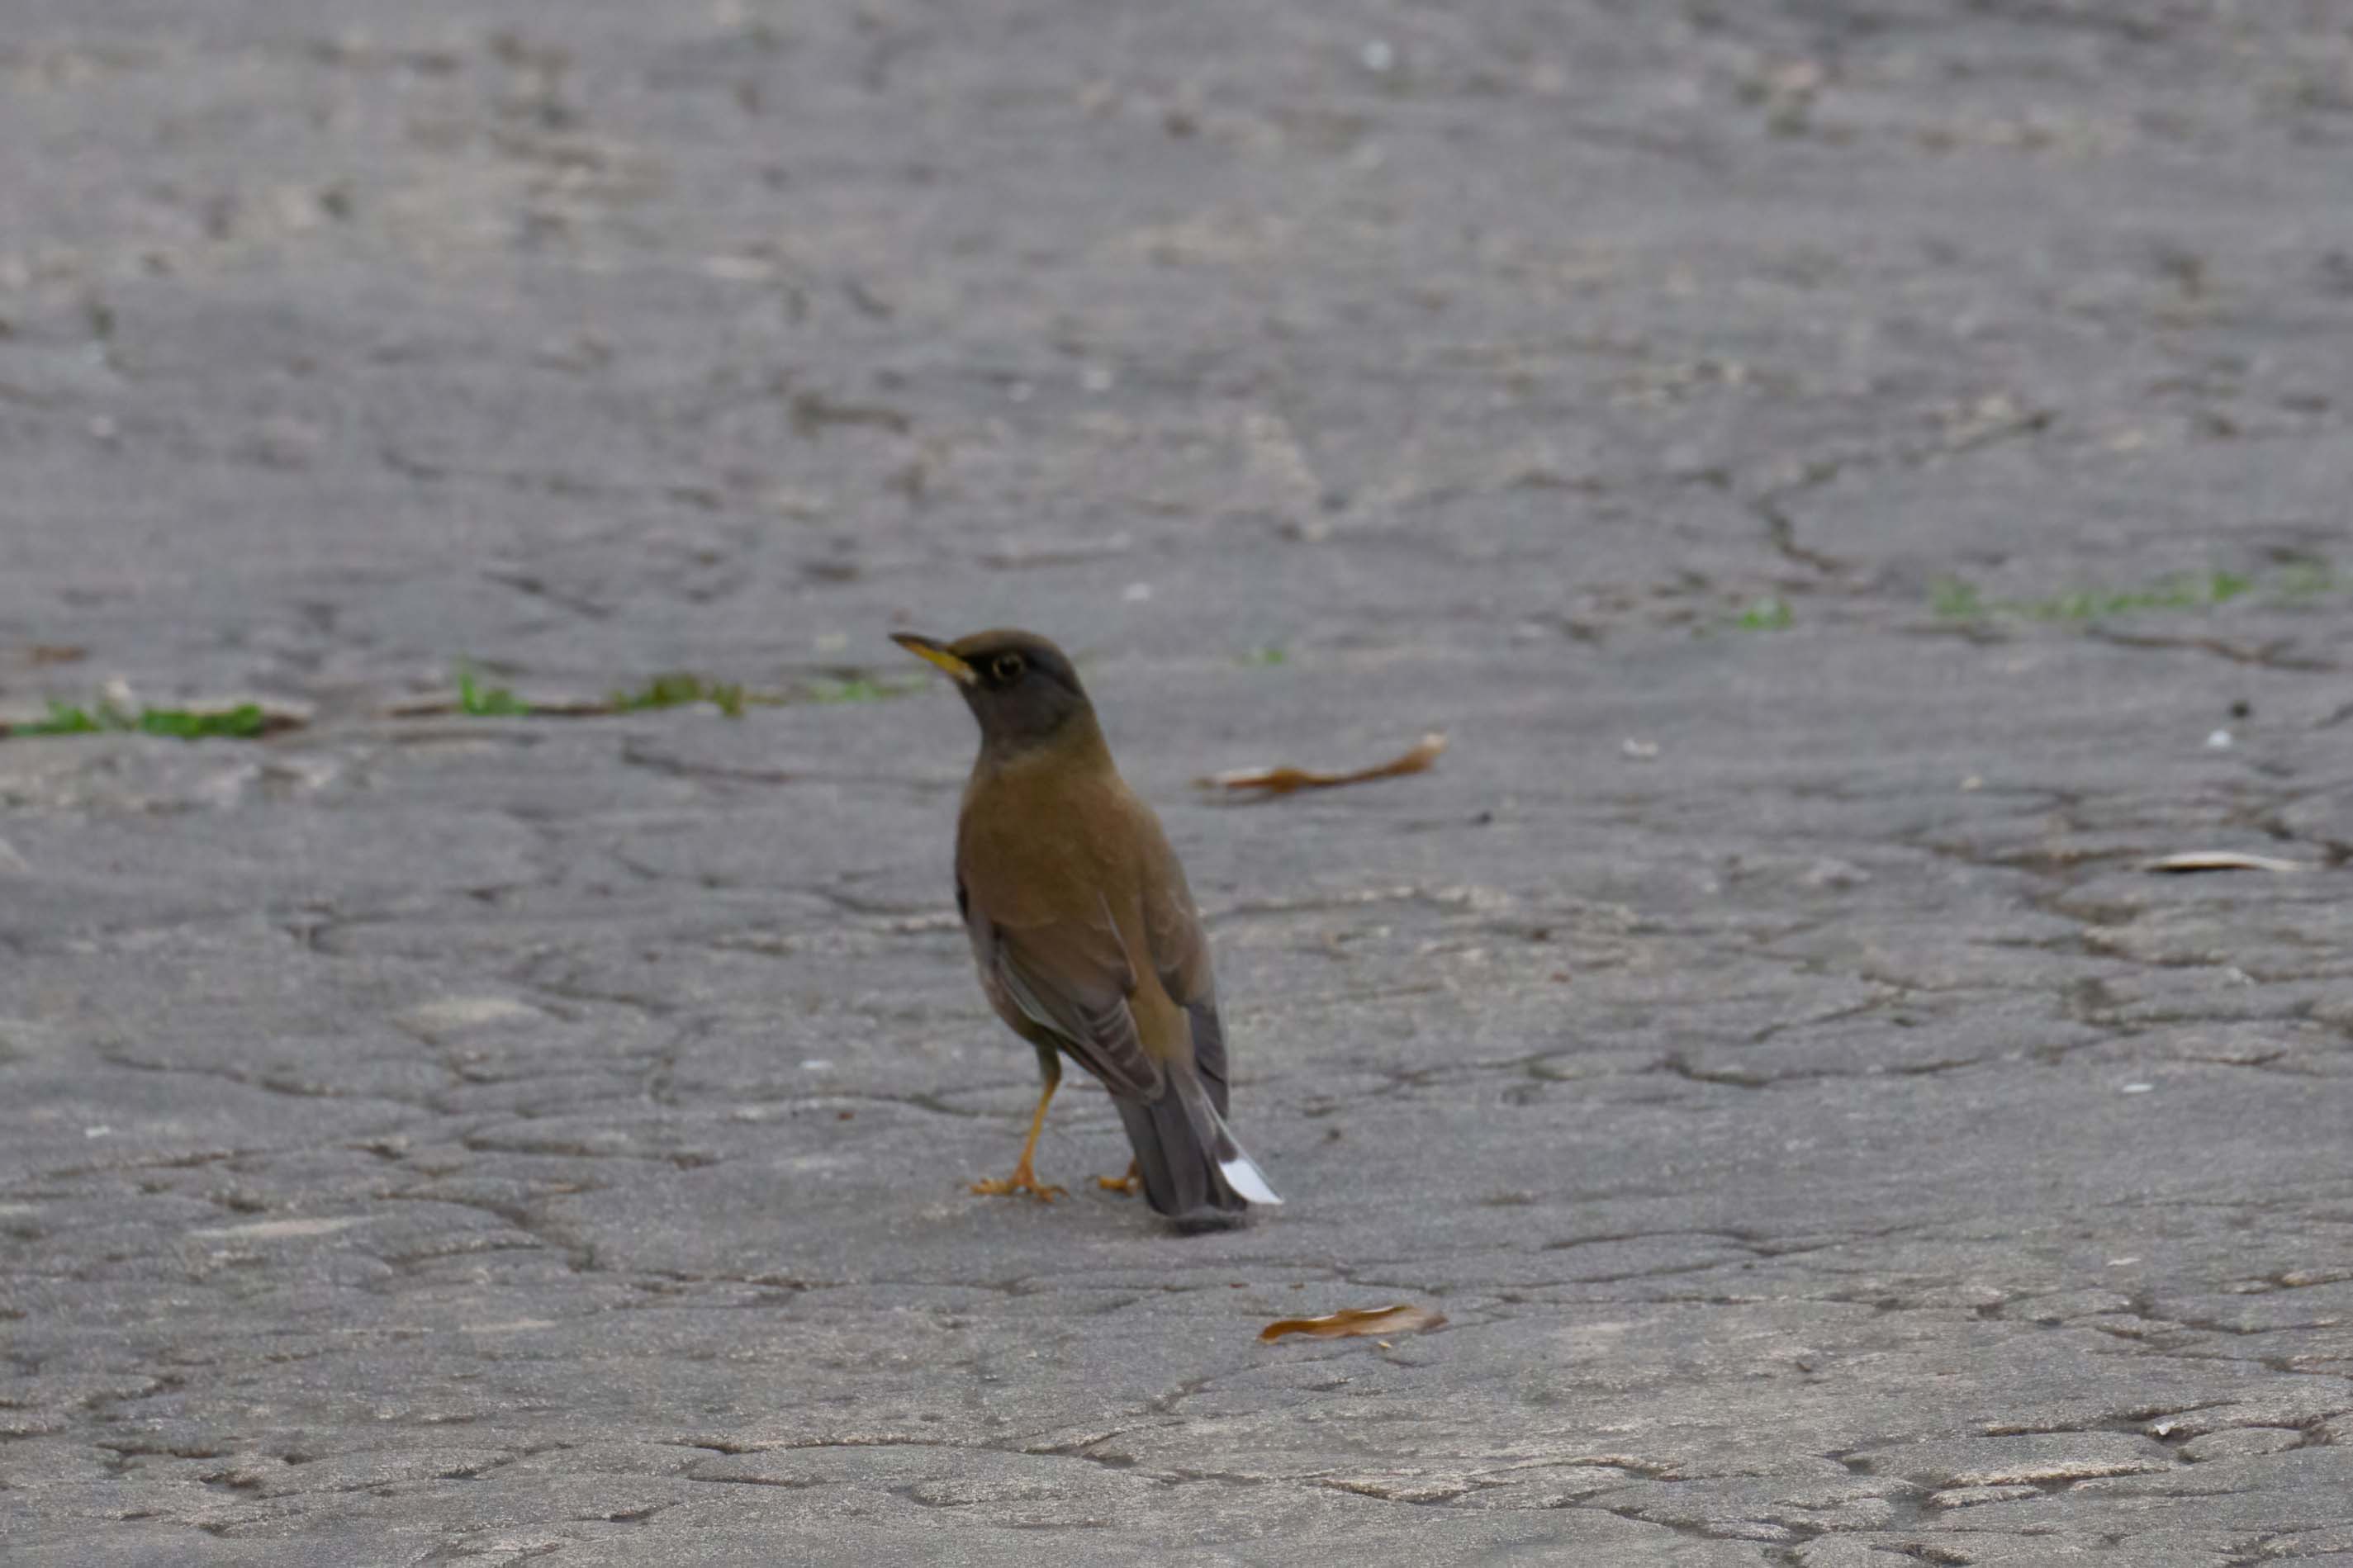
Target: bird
[{"x": 1084, "y": 932}]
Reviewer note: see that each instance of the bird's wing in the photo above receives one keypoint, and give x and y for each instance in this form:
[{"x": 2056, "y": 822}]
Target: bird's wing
[
  {"x": 1180, "y": 957},
  {"x": 1072, "y": 979}
]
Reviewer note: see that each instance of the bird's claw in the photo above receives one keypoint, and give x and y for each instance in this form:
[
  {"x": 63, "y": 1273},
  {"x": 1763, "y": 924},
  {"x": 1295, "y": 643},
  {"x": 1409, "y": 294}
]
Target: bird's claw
[
  {"x": 1131, "y": 1183},
  {"x": 1022, "y": 1180}
]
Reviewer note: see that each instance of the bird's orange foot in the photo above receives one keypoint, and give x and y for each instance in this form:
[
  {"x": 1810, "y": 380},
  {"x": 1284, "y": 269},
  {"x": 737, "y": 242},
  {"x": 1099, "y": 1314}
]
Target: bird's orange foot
[
  {"x": 1022, "y": 1180},
  {"x": 1131, "y": 1183}
]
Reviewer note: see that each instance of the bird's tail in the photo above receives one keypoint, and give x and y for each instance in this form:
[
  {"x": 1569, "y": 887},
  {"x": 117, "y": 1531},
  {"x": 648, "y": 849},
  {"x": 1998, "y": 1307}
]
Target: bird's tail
[{"x": 1194, "y": 1173}]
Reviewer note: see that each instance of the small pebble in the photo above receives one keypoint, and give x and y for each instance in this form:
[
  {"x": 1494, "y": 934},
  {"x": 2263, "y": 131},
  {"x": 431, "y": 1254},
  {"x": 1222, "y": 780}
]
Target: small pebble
[{"x": 2220, "y": 740}]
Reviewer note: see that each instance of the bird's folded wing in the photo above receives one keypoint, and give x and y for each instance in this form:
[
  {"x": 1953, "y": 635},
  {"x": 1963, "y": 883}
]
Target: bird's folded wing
[
  {"x": 1071, "y": 978},
  {"x": 1180, "y": 957}
]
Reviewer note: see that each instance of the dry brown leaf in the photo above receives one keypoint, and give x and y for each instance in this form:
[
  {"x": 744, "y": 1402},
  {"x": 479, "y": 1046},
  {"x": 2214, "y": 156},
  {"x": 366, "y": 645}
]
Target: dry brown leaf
[
  {"x": 2223, "y": 860},
  {"x": 1350, "y": 1322},
  {"x": 1284, "y": 780}
]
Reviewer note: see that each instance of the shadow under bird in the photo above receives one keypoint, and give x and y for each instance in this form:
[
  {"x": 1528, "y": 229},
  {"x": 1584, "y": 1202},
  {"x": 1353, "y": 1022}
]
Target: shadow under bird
[{"x": 1084, "y": 932}]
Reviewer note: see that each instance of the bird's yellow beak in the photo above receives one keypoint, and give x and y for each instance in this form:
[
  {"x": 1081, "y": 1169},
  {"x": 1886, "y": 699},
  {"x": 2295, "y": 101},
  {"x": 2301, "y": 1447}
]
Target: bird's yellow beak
[{"x": 936, "y": 653}]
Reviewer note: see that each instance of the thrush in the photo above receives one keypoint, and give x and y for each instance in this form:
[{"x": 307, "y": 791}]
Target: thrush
[{"x": 1084, "y": 932}]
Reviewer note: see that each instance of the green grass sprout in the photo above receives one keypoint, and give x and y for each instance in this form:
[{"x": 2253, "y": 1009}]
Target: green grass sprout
[
  {"x": 679, "y": 689},
  {"x": 487, "y": 701},
  {"x": 242, "y": 722}
]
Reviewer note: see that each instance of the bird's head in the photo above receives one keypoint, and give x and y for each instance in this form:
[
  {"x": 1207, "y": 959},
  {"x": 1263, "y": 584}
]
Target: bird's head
[{"x": 1019, "y": 686}]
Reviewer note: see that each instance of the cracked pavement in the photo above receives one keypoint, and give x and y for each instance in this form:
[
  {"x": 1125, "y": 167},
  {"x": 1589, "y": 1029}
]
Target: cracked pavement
[{"x": 427, "y": 1138}]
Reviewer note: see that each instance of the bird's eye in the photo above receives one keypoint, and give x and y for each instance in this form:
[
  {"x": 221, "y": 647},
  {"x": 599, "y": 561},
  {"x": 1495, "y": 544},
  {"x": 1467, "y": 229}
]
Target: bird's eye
[{"x": 1007, "y": 667}]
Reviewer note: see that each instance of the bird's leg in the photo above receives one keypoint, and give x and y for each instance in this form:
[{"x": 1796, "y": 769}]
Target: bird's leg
[
  {"x": 1024, "y": 1179},
  {"x": 1131, "y": 1183}
]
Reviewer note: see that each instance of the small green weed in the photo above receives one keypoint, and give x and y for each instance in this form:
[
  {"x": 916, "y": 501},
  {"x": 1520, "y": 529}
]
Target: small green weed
[
  {"x": 487, "y": 701},
  {"x": 64, "y": 720},
  {"x": 2090, "y": 604},
  {"x": 676, "y": 689},
  {"x": 2224, "y": 586},
  {"x": 1954, "y": 599},
  {"x": 1766, "y": 616},
  {"x": 241, "y": 722},
  {"x": 1265, "y": 657},
  {"x": 679, "y": 689}
]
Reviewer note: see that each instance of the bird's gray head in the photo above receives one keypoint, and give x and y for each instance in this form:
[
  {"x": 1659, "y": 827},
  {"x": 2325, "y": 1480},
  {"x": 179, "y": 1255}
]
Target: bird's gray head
[{"x": 1019, "y": 686}]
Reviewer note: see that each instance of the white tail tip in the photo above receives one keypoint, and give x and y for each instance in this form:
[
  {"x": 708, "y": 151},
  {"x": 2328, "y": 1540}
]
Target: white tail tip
[{"x": 1248, "y": 1180}]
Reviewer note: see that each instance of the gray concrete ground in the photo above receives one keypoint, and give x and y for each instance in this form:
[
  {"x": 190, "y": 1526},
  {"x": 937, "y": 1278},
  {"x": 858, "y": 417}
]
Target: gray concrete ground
[{"x": 1830, "y": 468}]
